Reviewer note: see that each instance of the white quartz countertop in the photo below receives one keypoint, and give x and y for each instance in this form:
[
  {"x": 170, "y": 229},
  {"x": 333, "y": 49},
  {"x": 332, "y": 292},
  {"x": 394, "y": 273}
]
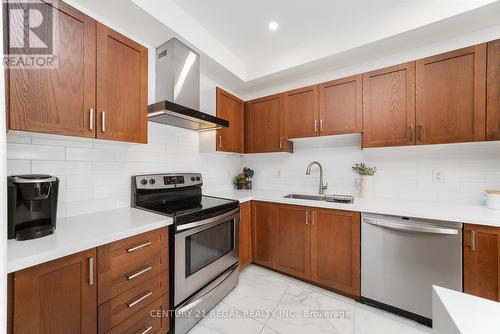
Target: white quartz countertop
[
  {"x": 459, "y": 313},
  {"x": 470, "y": 214},
  {"x": 78, "y": 233}
]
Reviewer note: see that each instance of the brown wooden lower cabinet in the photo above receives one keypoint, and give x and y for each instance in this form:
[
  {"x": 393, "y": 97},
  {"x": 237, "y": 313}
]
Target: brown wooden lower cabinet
[
  {"x": 321, "y": 246},
  {"x": 335, "y": 250},
  {"x": 481, "y": 252},
  {"x": 263, "y": 218},
  {"x": 245, "y": 243},
  {"x": 56, "y": 297},
  {"x": 292, "y": 252}
]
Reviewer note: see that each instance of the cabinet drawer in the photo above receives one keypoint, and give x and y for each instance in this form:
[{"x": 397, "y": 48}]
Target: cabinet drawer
[
  {"x": 120, "y": 279},
  {"x": 140, "y": 246},
  {"x": 128, "y": 303},
  {"x": 151, "y": 319}
]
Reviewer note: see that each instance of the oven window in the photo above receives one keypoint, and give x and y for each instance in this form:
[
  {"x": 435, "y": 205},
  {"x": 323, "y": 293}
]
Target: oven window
[{"x": 208, "y": 245}]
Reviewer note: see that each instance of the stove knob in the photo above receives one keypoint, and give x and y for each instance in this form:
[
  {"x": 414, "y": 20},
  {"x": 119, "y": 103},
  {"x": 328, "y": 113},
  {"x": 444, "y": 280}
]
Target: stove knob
[
  {"x": 144, "y": 182},
  {"x": 152, "y": 181},
  {"x": 198, "y": 178},
  {"x": 192, "y": 178}
]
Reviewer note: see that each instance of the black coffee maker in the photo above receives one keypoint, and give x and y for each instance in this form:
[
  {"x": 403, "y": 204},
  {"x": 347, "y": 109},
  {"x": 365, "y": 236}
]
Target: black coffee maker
[{"x": 32, "y": 206}]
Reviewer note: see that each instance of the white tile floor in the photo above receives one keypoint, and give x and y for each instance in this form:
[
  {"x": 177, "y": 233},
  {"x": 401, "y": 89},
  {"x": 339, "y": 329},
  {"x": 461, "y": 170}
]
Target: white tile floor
[{"x": 266, "y": 302}]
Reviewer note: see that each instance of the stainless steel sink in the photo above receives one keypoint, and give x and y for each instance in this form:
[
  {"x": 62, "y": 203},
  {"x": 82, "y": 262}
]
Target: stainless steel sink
[
  {"x": 308, "y": 197},
  {"x": 346, "y": 199}
]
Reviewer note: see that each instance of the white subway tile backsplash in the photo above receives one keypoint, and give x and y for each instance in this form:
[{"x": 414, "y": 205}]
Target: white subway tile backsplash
[
  {"x": 34, "y": 152},
  {"x": 96, "y": 175}
]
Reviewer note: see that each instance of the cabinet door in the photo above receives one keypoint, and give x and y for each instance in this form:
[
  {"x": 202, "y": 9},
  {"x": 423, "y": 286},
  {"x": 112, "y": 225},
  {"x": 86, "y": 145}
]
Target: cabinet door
[
  {"x": 264, "y": 125},
  {"x": 230, "y": 108},
  {"x": 451, "y": 96},
  {"x": 57, "y": 297},
  {"x": 263, "y": 220},
  {"x": 122, "y": 87},
  {"x": 389, "y": 106},
  {"x": 482, "y": 261},
  {"x": 245, "y": 234},
  {"x": 341, "y": 106},
  {"x": 301, "y": 112},
  {"x": 335, "y": 250},
  {"x": 493, "y": 92},
  {"x": 58, "y": 100},
  {"x": 292, "y": 253}
]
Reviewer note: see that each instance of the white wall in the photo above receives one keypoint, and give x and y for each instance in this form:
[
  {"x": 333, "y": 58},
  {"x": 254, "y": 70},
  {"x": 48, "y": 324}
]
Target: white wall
[{"x": 404, "y": 172}]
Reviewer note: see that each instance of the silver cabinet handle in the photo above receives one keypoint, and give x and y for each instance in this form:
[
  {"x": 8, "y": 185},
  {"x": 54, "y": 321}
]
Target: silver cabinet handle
[
  {"x": 313, "y": 216},
  {"x": 321, "y": 125},
  {"x": 91, "y": 119},
  {"x": 307, "y": 217},
  {"x": 220, "y": 141},
  {"x": 147, "y": 329},
  {"x": 140, "y": 299},
  {"x": 411, "y": 132},
  {"x": 103, "y": 121},
  {"x": 281, "y": 143},
  {"x": 91, "y": 271},
  {"x": 133, "y": 249},
  {"x": 420, "y": 132},
  {"x": 315, "y": 125},
  {"x": 473, "y": 241},
  {"x": 139, "y": 273}
]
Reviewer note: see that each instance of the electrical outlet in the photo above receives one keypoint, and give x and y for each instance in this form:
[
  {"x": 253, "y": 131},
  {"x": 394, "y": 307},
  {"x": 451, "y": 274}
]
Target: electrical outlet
[{"x": 437, "y": 176}]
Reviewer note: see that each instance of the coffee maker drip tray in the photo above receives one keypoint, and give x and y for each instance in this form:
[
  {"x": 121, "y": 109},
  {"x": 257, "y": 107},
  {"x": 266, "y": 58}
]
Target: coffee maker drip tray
[{"x": 34, "y": 229}]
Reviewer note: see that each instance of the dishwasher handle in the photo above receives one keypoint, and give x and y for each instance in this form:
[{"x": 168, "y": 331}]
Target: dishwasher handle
[{"x": 411, "y": 227}]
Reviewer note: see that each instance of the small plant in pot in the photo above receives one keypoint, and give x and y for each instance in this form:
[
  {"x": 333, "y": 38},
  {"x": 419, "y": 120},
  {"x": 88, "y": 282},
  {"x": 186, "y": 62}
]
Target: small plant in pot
[
  {"x": 240, "y": 181},
  {"x": 364, "y": 181}
]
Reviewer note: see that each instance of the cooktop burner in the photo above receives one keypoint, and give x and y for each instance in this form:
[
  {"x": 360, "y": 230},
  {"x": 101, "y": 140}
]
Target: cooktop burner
[{"x": 177, "y": 196}]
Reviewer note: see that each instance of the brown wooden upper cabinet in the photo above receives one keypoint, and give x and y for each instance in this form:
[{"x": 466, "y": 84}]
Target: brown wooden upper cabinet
[
  {"x": 122, "y": 81},
  {"x": 58, "y": 100},
  {"x": 98, "y": 88},
  {"x": 493, "y": 92},
  {"x": 230, "y": 108},
  {"x": 451, "y": 96},
  {"x": 264, "y": 126},
  {"x": 292, "y": 253},
  {"x": 341, "y": 106},
  {"x": 301, "y": 112},
  {"x": 56, "y": 297},
  {"x": 481, "y": 253},
  {"x": 389, "y": 106}
]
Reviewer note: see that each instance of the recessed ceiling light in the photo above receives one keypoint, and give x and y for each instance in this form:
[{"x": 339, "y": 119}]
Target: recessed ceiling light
[{"x": 273, "y": 26}]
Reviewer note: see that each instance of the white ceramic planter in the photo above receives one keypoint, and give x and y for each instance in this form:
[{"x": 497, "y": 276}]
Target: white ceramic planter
[
  {"x": 364, "y": 185},
  {"x": 492, "y": 199}
]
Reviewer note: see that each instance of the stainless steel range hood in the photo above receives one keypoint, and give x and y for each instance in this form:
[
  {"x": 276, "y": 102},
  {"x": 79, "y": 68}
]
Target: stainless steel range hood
[{"x": 178, "y": 89}]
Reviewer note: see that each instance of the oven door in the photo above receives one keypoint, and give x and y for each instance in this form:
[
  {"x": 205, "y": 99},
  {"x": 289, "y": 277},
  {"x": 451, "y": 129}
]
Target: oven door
[{"x": 203, "y": 250}]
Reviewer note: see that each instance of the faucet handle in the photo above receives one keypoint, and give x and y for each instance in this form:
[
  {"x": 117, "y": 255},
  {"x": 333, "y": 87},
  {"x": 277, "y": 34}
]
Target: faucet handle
[{"x": 325, "y": 186}]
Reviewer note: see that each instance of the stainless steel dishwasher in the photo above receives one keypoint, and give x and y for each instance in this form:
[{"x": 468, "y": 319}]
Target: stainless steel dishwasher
[{"x": 402, "y": 257}]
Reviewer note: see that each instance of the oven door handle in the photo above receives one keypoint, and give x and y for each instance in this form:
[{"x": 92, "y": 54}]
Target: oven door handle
[
  {"x": 219, "y": 281},
  {"x": 207, "y": 221},
  {"x": 411, "y": 227}
]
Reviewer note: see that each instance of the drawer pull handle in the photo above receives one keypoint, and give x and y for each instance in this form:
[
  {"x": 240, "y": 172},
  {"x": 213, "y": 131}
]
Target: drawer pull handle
[
  {"x": 473, "y": 241},
  {"x": 91, "y": 271},
  {"x": 139, "y": 273},
  {"x": 132, "y": 249},
  {"x": 147, "y": 329},
  {"x": 140, "y": 299}
]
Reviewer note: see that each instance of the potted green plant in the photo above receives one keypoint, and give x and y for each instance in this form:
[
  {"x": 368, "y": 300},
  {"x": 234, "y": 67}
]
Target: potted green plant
[
  {"x": 364, "y": 183},
  {"x": 240, "y": 181}
]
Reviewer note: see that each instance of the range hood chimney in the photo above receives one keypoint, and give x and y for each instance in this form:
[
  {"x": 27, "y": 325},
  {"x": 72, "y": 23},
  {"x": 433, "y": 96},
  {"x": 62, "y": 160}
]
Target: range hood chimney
[{"x": 178, "y": 89}]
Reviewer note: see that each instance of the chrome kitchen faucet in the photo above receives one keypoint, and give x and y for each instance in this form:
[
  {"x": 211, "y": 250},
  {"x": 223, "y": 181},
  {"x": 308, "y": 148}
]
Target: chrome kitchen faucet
[{"x": 322, "y": 186}]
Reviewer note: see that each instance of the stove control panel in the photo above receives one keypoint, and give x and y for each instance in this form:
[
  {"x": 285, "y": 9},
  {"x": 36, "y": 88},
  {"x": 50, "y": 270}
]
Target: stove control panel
[{"x": 167, "y": 181}]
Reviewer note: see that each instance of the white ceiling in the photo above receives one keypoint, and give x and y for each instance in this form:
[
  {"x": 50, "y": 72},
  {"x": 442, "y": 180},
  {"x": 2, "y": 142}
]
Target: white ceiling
[{"x": 310, "y": 30}]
